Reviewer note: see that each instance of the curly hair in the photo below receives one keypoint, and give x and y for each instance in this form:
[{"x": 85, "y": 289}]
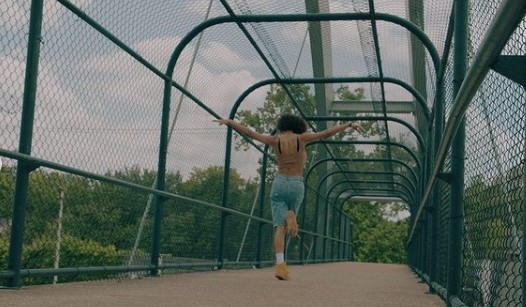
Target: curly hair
[{"x": 291, "y": 122}]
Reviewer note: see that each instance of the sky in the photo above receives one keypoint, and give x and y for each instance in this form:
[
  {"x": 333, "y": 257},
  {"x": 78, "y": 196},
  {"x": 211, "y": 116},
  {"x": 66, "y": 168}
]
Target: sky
[{"x": 98, "y": 109}]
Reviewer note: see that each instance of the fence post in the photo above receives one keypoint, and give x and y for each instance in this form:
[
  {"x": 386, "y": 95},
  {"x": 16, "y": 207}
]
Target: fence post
[
  {"x": 262, "y": 185},
  {"x": 351, "y": 247},
  {"x": 523, "y": 249},
  {"x": 224, "y": 199},
  {"x": 456, "y": 211},
  {"x": 26, "y": 136},
  {"x": 435, "y": 210}
]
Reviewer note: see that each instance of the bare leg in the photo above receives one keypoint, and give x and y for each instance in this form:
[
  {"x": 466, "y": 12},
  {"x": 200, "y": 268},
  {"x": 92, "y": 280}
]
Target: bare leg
[
  {"x": 279, "y": 239},
  {"x": 279, "y": 247}
]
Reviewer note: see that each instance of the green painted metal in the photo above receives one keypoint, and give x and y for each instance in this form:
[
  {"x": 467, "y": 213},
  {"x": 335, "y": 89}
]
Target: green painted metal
[
  {"x": 56, "y": 166},
  {"x": 310, "y": 17},
  {"x": 512, "y": 67},
  {"x": 402, "y": 163},
  {"x": 456, "y": 211},
  {"x": 359, "y": 191},
  {"x": 325, "y": 223},
  {"x": 261, "y": 208},
  {"x": 523, "y": 254},
  {"x": 332, "y": 173},
  {"x": 406, "y": 179},
  {"x": 410, "y": 189},
  {"x": 24, "y": 167},
  {"x": 419, "y": 138},
  {"x": 416, "y": 16},
  {"x": 419, "y": 99},
  {"x": 104, "y": 32},
  {"x": 101, "y": 178},
  {"x": 160, "y": 180},
  {"x": 327, "y": 198},
  {"x": 224, "y": 197},
  {"x": 381, "y": 75},
  {"x": 506, "y": 20},
  {"x": 259, "y": 51},
  {"x": 360, "y": 142},
  {"x": 309, "y": 171},
  {"x": 438, "y": 120},
  {"x": 319, "y": 53}
]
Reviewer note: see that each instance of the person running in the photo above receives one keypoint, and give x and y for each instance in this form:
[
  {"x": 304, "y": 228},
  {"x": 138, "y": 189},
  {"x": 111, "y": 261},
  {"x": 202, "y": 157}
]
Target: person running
[{"x": 287, "y": 188}]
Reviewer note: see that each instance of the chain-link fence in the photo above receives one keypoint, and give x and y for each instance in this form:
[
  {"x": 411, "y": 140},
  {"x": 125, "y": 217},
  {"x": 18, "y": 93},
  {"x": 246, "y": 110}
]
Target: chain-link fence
[
  {"x": 489, "y": 271},
  {"x": 98, "y": 181},
  {"x": 112, "y": 166}
]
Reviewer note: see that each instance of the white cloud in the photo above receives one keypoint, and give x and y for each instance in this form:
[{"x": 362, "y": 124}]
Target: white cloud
[
  {"x": 196, "y": 138},
  {"x": 219, "y": 57}
]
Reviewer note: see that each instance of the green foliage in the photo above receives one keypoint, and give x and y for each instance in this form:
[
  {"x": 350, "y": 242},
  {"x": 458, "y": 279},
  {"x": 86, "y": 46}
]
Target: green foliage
[
  {"x": 376, "y": 236},
  {"x": 345, "y": 94},
  {"x": 74, "y": 252},
  {"x": 492, "y": 217},
  {"x": 198, "y": 225},
  {"x": 277, "y": 101},
  {"x": 379, "y": 239},
  {"x": 4, "y": 250},
  {"x": 101, "y": 220},
  {"x": 7, "y": 190}
]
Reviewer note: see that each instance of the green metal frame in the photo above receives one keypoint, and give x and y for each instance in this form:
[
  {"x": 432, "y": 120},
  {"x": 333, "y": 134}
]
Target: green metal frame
[
  {"x": 434, "y": 141},
  {"x": 239, "y": 20},
  {"x": 25, "y": 167}
]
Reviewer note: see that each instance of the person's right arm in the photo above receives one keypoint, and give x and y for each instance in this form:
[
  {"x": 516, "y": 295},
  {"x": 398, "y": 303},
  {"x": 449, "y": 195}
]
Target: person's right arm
[
  {"x": 308, "y": 137},
  {"x": 263, "y": 138}
]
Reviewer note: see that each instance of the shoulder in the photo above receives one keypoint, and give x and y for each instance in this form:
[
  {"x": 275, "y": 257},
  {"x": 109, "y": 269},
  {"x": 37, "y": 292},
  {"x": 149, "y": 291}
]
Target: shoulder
[{"x": 267, "y": 139}]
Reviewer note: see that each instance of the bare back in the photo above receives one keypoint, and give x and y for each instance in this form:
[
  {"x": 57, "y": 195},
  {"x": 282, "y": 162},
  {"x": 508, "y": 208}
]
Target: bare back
[{"x": 290, "y": 153}]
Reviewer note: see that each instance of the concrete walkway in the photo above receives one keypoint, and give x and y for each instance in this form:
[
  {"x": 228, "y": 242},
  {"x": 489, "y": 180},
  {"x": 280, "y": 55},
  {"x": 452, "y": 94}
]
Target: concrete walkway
[{"x": 331, "y": 284}]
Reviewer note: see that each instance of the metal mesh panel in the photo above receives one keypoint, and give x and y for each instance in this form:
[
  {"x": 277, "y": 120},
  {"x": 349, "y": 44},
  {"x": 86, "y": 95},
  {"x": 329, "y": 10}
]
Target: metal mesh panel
[
  {"x": 99, "y": 109},
  {"x": 492, "y": 224}
]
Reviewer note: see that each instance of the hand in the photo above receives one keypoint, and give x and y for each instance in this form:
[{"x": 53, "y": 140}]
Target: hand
[
  {"x": 222, "y": 121},
  {"x": 357, "y": 127},
  {"x": 292, "y": 224}
]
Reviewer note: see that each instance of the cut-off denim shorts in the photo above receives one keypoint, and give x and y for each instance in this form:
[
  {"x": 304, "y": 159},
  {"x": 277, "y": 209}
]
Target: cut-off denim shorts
[{"x": 286, "y": 194}]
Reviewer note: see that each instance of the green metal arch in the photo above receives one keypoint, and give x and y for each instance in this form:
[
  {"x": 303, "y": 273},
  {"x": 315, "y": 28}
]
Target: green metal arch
[
  {"x": 306, "y": 17},
  {"x": 372, "y": 118},
  {"x": 364, "y": 194},
  {"x": 320, "y": 182},
  {"x": 360, "y": 160},
  {"x": 407, "y": 149},
  {"x": 406, "y": 179},
  {"x": 409, "y": 199},
  {"x": 419, "y": 98}
]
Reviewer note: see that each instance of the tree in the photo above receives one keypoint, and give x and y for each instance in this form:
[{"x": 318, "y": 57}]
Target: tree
[
  {"x": 373, "y": 229},
  {"x": 195, "y": 226},
  {"x": 376, "y": 236}
]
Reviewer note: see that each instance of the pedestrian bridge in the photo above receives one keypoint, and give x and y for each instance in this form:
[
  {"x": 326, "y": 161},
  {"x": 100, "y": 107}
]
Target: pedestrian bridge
[
  {"x": 112, "y": 167},
  {"x": 330, "y": 284}
]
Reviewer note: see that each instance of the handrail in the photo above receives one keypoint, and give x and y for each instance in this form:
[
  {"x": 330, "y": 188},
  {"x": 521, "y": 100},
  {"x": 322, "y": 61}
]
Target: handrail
[{"x": 506, "y": 20}]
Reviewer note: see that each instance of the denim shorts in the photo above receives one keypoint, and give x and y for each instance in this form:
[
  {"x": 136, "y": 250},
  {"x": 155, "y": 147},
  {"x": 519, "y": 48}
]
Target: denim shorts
[{"x": 286, "y": 194}]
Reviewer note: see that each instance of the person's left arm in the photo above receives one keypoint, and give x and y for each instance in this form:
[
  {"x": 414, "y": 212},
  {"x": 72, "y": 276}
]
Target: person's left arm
[{"x": 263, "y": 138}]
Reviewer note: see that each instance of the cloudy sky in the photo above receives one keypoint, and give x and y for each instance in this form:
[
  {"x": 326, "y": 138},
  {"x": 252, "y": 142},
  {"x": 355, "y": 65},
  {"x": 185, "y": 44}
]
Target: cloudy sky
[{"x": 99, "y": 109}]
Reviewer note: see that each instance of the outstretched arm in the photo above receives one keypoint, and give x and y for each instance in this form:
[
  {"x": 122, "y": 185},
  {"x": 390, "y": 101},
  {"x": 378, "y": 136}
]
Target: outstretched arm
[
  {"x": 307, "y": 137},
  {"x": 263, "y": 138}
]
